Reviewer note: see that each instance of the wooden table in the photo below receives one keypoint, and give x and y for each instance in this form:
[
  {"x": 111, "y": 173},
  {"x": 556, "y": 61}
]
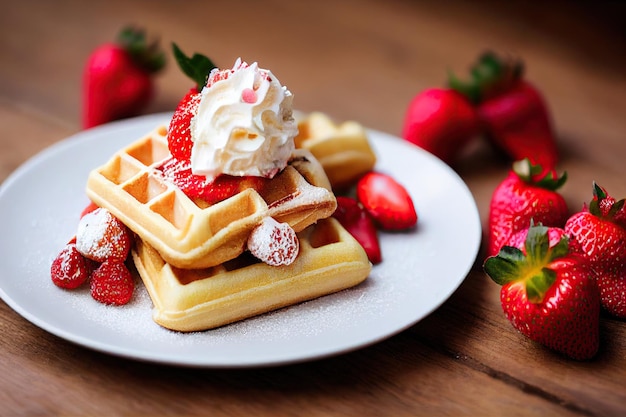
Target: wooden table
[{"x": 360, "y": 60}]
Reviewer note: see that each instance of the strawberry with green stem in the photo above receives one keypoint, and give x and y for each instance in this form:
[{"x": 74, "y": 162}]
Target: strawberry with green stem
[
  {"x": 118, "y": 78},
  {"x": 598, "y": 233},
  {"x": 512, "y": 112},
  {"x": 548, "y": 294},
  {"x": 528, "y": 193}
]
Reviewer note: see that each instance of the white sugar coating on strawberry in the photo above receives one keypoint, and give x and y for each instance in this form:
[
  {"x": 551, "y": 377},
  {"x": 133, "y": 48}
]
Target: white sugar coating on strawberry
[
  {"x": 101, "y": 236},
  {"x": 274, "y": 243}
]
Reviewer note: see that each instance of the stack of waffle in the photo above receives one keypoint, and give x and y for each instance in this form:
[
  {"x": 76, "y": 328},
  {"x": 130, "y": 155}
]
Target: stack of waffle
[{"x": 192, "y": 256}]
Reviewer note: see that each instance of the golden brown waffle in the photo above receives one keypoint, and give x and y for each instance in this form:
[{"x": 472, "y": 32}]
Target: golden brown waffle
[
  {"x": 343, "y": 150},
  {"x": 330, "y": 260},
  {"x": 192, "y": 235}
]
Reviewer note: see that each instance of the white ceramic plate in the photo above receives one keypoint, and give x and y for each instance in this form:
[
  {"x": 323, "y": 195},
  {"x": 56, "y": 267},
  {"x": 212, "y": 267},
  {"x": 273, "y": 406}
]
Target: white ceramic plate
[{"x": 39, "y": 208}]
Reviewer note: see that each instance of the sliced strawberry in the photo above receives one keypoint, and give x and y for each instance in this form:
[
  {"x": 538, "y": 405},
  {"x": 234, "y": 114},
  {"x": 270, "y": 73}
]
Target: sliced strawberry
[
  {"x": 387, "y": 201},
  {"x": 359, "y": 224},
  {"x": 101, "y": 236},
  {"x": 69, "y": 269},
  {"x": 112, "y": 283},
  {"x": 197, "y": 186}
]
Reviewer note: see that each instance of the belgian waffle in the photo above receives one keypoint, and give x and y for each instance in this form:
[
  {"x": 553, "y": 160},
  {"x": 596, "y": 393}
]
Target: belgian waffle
[
  {"x": 189, "y": 234},
  {"x": 330, "y": 260},
  {"x": 343, "y": 149}
]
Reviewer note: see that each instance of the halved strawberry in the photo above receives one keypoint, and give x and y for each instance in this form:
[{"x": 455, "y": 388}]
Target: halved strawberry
[
  {"x": 387, "y": 201},
  {"x": 212, "y": 192},
  {"x": 359, "y": 224}
]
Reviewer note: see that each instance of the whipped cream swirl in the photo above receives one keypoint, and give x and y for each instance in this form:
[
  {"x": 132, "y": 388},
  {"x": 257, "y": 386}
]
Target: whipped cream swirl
[{"x": 244, "y": 124}]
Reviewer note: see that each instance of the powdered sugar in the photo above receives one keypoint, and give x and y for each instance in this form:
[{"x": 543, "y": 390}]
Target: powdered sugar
[
  {"x": 100, "y": 236},
  {"x": 274, "y": 243}
]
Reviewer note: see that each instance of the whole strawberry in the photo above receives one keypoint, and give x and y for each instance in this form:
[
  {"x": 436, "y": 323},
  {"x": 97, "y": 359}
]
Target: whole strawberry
[
  {"x": 118, "y": 78},
  {"x": 527, "y": 194},
  {"x": 598, "y": 233},
  {"x": 112, "y": 283},
  {"x": 441, "y": 121},
  {"x": 512, "y": 112},
  {"x": 548, "y": 294}
]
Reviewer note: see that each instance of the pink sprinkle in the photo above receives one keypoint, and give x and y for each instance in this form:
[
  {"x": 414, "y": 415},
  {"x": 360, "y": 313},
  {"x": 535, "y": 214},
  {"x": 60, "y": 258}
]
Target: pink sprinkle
[{"x": 248, "y": 95}]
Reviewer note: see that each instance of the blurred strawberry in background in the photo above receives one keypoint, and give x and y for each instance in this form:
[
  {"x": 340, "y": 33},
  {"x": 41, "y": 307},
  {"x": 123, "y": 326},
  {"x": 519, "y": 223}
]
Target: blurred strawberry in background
[{"x": 118, "y": 77}]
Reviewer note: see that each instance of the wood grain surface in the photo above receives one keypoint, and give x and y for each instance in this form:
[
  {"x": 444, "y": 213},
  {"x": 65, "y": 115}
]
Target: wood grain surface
[{"x": 359, "y": 60}]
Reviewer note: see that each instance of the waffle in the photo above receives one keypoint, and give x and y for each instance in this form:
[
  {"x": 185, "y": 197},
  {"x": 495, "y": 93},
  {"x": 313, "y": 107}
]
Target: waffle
[
  {"x": 343, "y": 150},
  {"x": 191, "y": 234},
  {"x": 185, "y": 300}
]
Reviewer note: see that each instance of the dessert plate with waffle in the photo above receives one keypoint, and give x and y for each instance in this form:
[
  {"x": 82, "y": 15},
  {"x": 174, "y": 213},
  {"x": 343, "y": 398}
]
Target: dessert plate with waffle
[{"x": 213, "y": 284}]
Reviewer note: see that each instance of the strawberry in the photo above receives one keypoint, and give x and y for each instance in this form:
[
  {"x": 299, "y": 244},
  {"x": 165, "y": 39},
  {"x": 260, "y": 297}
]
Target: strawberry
[
  {"x": 599, "y": 235},
  {"x": 359, "y": 224},
  {"x": 101, "y": 236},
  {"x": 548, "y": 294},
  {"x": 387, "y": 201},
  {"x": 118, "y": 78},
  {"x": 274, "y": 243},
  {"x": 69, "y": 269},
  {"x": 197, "y": 67},
  {"x": 527, "y": 194},
  {"x": 112, "y": 283},
  {"x": 212, "y": 192},
  {"x": 440, "y": 121},
  {"x": 511, "y": 110}
]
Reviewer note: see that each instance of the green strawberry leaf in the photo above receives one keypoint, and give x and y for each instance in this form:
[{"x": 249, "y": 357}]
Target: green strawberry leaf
[
  {"x": 197, "y": 67},
  {"x": 533, "y": 267},
  {"x": 489, "y": 76},
  {"x": 506, "y": 266},
  {"x": 148, "y": 56},
  {"x": 535, "y": 175}
]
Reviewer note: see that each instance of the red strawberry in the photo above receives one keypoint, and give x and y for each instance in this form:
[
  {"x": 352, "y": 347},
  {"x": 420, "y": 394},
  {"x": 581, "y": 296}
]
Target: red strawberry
[
  {"x": 387, "y": 201},
  {"x": 526, "y": 194},
  {"x": 101, "y": 236},
  {"x": 512, "y": 111},
  {"x": 118, "y": 78},
  {"x": 112, "y": 283},
  {"x": 440, "y": 121},
  {"x": 198, "y": 67},
  {"x": 197, "y": 186},
  {"x": 359, "y": 224},
  {"x": 69, "y": 269},
  {"x": 548, "y": 294},
  {"x": 274, "y": 243},
  {"x": 599, "y": 235}
]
